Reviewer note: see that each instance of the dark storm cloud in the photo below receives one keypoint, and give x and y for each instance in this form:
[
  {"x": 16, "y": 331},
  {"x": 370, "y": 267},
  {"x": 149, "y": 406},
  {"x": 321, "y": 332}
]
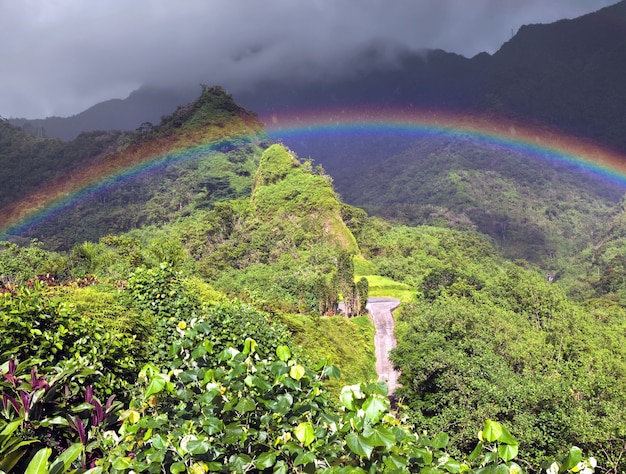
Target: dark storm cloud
[{"x": 62, "y": 56}]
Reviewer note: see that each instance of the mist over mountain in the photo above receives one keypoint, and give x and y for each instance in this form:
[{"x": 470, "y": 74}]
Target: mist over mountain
[
  {"x": 147, "y": 104},
  {"x": 568, "y": 75}
]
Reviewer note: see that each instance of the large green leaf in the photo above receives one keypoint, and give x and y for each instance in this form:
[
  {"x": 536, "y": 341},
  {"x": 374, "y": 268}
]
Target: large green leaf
[
  {"x": 39, "y": 463},
  {"x": 9, "y": 429},
  {"x": 9, "y": 460},
  {"x": 281, "y": 467},
  {"x": 491, "y": 431},
  {"x": 282, "y": 404},
  {"x": 478, "y": 450},
  {"x": 156, "y": 384},
  {"x": 56, "y": 420},
  {"x": 249, "y": 346},
  {"x": 440, "y": 441},
  {"x": 239, "y": 463},
  {"x": 395, "y": 462},
  {"x": 349, "y": 394},
  {"x": 507, "y": 452},
  {"x": 424, "y": 454},
  {"x": 306, "y": 457},
  {"x": 297, "y": 372},
  {"x": 198, "y": 446},
  {"x": 178, "y": 467},
  {"x": 359, "y": 445},
  {"x": 66, "y": 458},
  {"x": 283, "y": 353},
  {"x": 265, "y": 460},
  {"x": 375, "y": 408},
  {"x": 381, "y": 436},
  {"x": 506, "y": 437},
  {"x": 121, "y": 463},
  {"x": 245, "y": 405},
  {"x": 332, "y": 371},
  {"x": 305, "y": 433},
  {"x": 574, "y": 456}
]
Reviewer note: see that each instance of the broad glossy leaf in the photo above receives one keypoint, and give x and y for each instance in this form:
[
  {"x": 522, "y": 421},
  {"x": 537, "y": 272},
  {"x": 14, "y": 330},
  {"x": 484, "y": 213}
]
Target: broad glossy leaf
[
  {"x": 82, "y": 407},
  {"x": 11, "y": 427},
  {"x": 265, "y": 460},
  {"x": 212, "y": 425},
  {"x": 440, "y": 441},
  {"x": 239, "y": 462},
  {"x": 156, "y": 384},
  {"x": 507, "y": 451},
  {"x": 478, "y": 450},
  {"x": 490, "y": 457},
  {"x": 232, "y": 434},
  {"x": 492, "y": 430},
  {"x": 281, "y": 468},
  {"x": 332, "y": 372},
  {"x": 304, "y": 458},
  {"x": 349, "y": 394},
  {"x": 283, "y": 353},
  {"x": 506, "y": 437},
  {"x": 57, "y": 420},
  {"x": 452, "y": 466},
  {"x": 431, "y": 470},
  {"x": 424, "y": 454},
  {"x": 380, "y": 388},
  {"x": 394, "y": 461},
  {"x": 359, "y": 445},
  {"x": 305, "y": 433},
  {"x": 574, "y": 456},
  {"x": 198, "y": 446},
  {"x": 9, "y": 460},
  {"x": 375, "y": 407},
  {"x": 245, "y": 405},
  {"x": 178, "y": 467},
  {"x": 282, "y": 404},
  {"x": 66, "y": 458},
  {"x": 381, "y": 436},
  {"x": 297, "y": 372},
  {"x": 502, "y": 469},
  {"x": 39, "y": 463},
  {"x": 249, "y": 346}
]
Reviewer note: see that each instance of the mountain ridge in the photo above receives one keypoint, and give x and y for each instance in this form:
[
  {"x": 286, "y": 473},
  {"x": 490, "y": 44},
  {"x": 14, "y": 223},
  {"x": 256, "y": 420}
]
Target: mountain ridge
[{"x": 565, "y": 74}]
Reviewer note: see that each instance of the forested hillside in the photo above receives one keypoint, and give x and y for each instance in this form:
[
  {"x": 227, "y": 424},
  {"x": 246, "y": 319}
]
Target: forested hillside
[
  {"x": 203, "y": 335},
  {"x": 204, "y": 152},
  {"x": 532, "y": 207}
]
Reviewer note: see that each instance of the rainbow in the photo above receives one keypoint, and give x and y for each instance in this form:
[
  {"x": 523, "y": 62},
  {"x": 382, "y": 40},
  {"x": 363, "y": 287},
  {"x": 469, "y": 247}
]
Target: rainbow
[
  {"x": 99, "y": 177},
  {"x": 535, "y": 141},
  {"x": 529, "y": 140}
]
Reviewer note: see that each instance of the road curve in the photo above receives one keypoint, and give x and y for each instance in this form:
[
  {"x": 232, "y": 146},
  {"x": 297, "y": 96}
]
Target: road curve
[{"x": 380, "y": 310}]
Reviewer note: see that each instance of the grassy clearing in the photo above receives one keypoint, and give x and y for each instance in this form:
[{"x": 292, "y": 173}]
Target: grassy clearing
[{"x": 380, "y": 286}]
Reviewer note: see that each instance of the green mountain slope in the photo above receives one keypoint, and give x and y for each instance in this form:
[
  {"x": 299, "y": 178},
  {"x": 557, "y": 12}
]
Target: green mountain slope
[
  {"x": 205, "y": 152},
  {"x": 533, "y": 209}
]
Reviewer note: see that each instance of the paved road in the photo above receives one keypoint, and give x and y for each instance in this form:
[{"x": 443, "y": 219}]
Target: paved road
[{"x": 380, "y": 310}]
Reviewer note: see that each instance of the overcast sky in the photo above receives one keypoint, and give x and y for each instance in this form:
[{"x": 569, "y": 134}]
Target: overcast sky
[{"x": 59, "y": 57}]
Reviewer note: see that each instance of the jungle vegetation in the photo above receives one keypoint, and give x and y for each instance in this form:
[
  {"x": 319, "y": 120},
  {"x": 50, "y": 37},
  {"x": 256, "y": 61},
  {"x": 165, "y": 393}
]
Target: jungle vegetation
[{"x": 207, "y": 339}]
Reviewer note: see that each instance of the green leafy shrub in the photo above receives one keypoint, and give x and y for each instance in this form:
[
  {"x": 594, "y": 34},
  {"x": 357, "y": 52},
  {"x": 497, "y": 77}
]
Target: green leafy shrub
[
  {"x": 51, "y": 413},
  {"x": 51, "y": 329},
  {"x": 18, "y": 264},
  {"x": 236, "y": 411}
]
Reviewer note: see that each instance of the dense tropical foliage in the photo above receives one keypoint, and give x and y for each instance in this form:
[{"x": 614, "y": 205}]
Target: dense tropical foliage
[{"x": 209, "y": 340}]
